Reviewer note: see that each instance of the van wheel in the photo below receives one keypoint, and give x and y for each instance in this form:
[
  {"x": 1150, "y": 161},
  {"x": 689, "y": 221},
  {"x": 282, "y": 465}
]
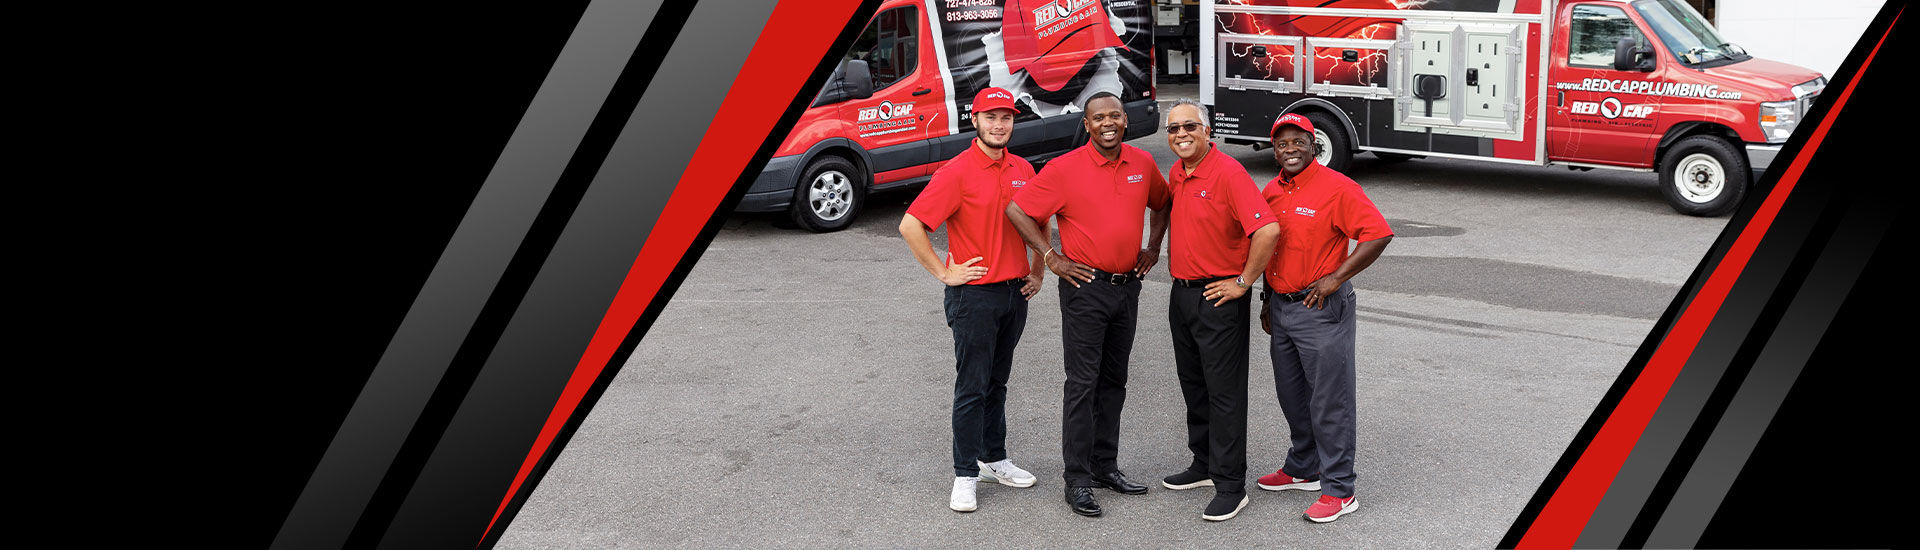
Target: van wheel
[
  {"x": 1703, "y": 176},
  {"x": 829, "y": 195},
  {"x": 1336, "y": 150}
]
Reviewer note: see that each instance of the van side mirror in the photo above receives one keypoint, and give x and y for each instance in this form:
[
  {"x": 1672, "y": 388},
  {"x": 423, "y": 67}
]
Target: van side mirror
[
  {"x": 1630, "y": 56},
  {"x": 851, "y": 80}
]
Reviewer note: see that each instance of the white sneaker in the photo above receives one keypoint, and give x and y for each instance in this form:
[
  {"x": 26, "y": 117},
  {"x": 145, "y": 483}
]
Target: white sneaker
[
  {"x": 1006, "y": 473},
  {"x": 962, "y": 500}
]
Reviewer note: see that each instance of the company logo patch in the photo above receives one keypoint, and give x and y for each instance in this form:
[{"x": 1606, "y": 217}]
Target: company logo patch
[
  {"x": 1304, "y": 211},
  {"x": 1018, "y": 183},
  {"x": 998, "y": 95},
  {"x": 1136, "y": 178},
  {"x": 886, "y": 110},
  {"x": 1203, "y": 194}
]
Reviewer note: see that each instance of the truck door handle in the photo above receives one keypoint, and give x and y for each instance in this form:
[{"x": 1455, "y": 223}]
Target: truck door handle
[{"x": 922, "y": 91}]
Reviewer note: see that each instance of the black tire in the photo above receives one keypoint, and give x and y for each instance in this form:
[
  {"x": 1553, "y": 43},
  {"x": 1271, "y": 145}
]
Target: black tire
[
  {"x": 1331, "y": 136},
  {"x": 1395, "y": 157},
  {"x": 1704, "y": 176},
  {"x": 829, "y": 195}
]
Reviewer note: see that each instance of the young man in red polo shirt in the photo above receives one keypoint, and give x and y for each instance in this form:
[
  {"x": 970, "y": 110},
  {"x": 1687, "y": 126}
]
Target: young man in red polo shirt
[
  {"x": 986, "y": 296},
  {"x": 1099, "y": 192},
  {"x": 1222, "y": 236},
  {"x": 1310, "y": 315}
]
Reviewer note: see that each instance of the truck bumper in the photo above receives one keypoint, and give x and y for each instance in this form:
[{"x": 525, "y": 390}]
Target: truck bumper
[
  {"x": 772, "y": 191},
  {"x": 1760, "y": 156}
]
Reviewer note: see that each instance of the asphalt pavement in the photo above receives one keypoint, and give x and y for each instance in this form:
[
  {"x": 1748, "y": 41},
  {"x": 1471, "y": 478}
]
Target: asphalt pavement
[{"x": 796, "y": 392}]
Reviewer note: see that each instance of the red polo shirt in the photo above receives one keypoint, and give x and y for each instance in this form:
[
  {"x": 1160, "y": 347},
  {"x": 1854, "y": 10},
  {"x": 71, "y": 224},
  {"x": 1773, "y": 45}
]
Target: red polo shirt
[
  {"x": 1101, "y": 204},
  {"x": 969, "y": 195},
  {"x": 1319, "y": 211},
  {"x": 1215, "y": 209}
]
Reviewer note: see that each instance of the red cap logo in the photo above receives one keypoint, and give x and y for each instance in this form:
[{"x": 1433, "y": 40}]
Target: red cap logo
[
  {"x": 994, "y": 98},
  {"x": 1291, "y": 119}
]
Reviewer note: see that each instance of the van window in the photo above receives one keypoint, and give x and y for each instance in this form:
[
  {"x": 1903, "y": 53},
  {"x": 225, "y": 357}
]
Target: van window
[
  {"x": 890, "y": 46},
  {"x": 1594, "y": 32}
]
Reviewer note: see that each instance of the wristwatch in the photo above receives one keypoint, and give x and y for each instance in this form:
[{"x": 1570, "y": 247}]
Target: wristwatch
[{"x": 1242, "y": 281}]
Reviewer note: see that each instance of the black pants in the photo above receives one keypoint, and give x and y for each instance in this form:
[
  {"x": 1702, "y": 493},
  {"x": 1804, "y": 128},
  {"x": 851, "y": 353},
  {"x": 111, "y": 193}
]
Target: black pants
[
  {"x": 1096, "y": 327},
  {"x": 1210, "y": 354},
  {"x": 987, "y": 321}
]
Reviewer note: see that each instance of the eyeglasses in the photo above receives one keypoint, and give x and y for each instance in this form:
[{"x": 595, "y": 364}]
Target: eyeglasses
[{"x": 1188, "y": 127}]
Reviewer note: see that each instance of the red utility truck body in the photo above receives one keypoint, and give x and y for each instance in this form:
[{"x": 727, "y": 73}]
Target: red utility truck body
[{"x": 1641, "y": 85}]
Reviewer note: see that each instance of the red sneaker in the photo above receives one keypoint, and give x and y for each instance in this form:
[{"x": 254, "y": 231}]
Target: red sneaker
[
  {"x": 1280, "y": 481},
  {"x": 1328, "y": 508}
]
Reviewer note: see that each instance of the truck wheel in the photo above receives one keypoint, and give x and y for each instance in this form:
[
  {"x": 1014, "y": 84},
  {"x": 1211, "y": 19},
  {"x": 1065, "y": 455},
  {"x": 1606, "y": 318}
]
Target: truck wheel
[
  {"x": 1336, "y": 151},
  {"x": 829, "y": 195},
  {"x": 1703, "y": 176}
]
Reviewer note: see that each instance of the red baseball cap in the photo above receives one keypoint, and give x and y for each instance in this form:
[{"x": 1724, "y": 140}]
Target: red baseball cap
[
  {"x": 1290, "y": 119},
  {"x": 994, "y": 98}
]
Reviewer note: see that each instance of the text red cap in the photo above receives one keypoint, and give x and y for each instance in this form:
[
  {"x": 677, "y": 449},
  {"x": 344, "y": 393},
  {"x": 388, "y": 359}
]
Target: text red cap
[
  {"x": 994, "y": 98},
  {"x": 1291, "y": 119}
]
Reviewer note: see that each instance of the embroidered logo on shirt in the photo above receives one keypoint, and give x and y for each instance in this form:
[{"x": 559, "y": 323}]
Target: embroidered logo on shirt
[
  {"x": 1136, "y": 178},
  {"x": 1256, "y": 215},
  {"x": 1018, "y": 184},
  {"x": 1304, "y": 211},
  {"x": 1203, "y": 194}
]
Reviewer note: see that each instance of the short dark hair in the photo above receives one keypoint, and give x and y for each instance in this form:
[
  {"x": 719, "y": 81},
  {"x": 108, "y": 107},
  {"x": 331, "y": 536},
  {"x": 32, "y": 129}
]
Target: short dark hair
[{"x": 1096, "y": 96}]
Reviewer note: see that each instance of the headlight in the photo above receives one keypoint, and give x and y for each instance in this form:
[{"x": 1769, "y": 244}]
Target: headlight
[{"x": 1778, "y": 118}]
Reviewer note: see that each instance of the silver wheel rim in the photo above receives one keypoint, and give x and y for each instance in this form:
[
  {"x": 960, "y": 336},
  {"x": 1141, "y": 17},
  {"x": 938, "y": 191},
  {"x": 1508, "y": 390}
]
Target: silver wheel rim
[
  {"x": 1699, "y": 178},
  {"x": 1320, "y": 142},
  {"x": 830, "y": 195}
]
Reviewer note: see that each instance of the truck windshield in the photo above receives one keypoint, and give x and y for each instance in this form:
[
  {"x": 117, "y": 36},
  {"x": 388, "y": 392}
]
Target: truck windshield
[{"x": 1687, "y": 34}]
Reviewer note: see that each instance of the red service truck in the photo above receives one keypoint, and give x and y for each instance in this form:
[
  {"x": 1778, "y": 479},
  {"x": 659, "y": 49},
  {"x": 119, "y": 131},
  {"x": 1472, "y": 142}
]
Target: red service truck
[
  {"x": 896, "y": 108},
  {"x": 1641, "y": 85}
]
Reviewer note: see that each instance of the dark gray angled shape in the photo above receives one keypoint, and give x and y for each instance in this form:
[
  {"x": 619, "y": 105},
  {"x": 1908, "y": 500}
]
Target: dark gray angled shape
[
  {"x": 1685, "y": 400},
  {"x": 469, "y": 269},
  {"x": 487, "y": 440},
  {"x": 1766, "y": 387}
]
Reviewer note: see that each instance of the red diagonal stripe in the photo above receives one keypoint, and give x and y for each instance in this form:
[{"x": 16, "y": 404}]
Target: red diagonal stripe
[
  {"x": 1567, "y": 512},
  {"x": 766, "y": 84}
]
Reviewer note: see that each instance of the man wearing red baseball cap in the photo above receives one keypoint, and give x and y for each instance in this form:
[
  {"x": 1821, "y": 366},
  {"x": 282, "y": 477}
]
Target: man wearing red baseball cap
[
  {"x": 986, "y": 295},
  {"x": 1309, "y": 312},
  {"x": 1099, "y": 192}
]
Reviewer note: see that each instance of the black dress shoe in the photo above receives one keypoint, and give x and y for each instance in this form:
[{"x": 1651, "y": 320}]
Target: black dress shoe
[
  {"x": 1118, "y": 482},
  {"x": 1081, "y": 499}
]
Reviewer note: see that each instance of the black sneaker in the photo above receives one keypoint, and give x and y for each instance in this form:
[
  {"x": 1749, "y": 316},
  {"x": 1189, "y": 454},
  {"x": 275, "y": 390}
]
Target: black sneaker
[
  {"x": 1187, "y": 480},
  {"x": 1224, "y": 506}
]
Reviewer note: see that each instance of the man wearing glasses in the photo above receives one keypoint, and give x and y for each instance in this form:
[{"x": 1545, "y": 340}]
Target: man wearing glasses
[
  {"x": 1099, "y": 192},
  {"x": 1223, "y": 235}
]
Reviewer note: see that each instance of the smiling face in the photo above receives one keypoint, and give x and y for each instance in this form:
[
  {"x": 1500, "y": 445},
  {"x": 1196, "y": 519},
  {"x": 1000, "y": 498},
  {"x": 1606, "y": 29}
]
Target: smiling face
[
  {"x": 1292, "y": 149},
  {"x": 1106, "y": 122},
  {"x": 1190, "y": 146},
  {"x": 995, "y": 127}
]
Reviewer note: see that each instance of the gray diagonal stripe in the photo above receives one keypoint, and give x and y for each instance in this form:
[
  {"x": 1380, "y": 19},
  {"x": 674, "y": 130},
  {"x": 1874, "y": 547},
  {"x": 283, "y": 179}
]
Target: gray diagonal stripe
[
  {"x": 466, "y": 274},
  {"x": 488, "y": 438},
  {"x": 1681, "y": 407},
  {"x": 1766, "y": 387}
]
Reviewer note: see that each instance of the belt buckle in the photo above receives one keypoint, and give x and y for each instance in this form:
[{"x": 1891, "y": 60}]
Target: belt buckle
[{"x": 1116, "y": 279}]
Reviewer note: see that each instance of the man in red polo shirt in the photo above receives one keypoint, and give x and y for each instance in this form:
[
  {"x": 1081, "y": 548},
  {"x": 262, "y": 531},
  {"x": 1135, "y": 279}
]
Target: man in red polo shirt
[
  {"x": 1223, "y": 235},
  {"x": 986, "y": 296},
  {"x": 1100, "y": 193},
  {"x": 1310, "y": 314}
]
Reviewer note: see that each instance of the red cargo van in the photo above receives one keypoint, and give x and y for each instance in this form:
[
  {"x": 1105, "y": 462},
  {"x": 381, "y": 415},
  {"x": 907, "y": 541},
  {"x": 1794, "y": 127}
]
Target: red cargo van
[
  {"x": 1642, "y": 85},
  {"x": 896, "y": 108}
]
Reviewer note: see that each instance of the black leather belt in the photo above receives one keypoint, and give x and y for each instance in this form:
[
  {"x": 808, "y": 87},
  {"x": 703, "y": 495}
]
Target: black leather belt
[
  {"x": 1014, "y": 282},
  {"x": 1115, "y": 279},
  {"x": 1190, "y": 283},
  {"x": 1293, "y": 297}
]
